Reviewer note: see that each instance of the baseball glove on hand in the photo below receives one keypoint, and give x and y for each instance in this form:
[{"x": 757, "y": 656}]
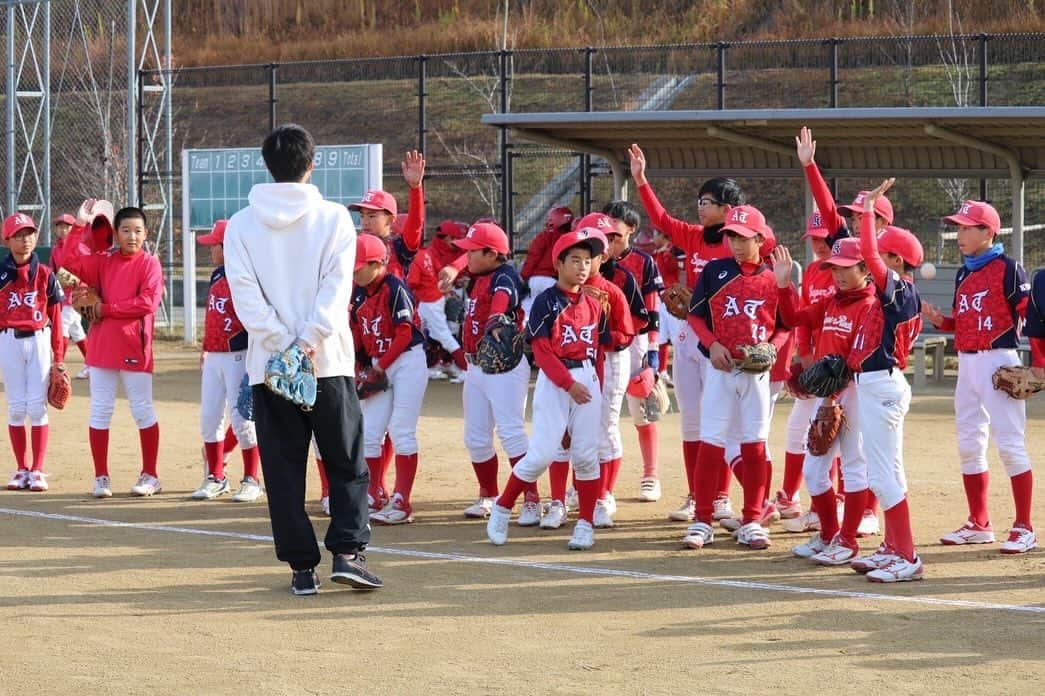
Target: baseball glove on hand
[
  {"x": 826, "y": 377},
  {"x": 600, "y": 295},
  {"x": 676, "y": 300},
  {"x": 59, "y": 388},
  {"x": 824, "y": 428},
  {"x": 502, "y": 346},
  {"x": 794, "y": 382},
  {"x": 84, "y": 301},
  {"x": 370, "y": 381},
  {"x": 245, "y": 399},
  {"x": 757, "y": 358},
  {"x": 658, "y": 402},
  {"x": 1018, "y": 382},
  {"x": 292, "y": 375},
  {"x": 66, "y": 279}
]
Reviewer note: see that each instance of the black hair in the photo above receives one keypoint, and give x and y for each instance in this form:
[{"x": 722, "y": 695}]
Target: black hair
[
  {"x": 623, "y": 211},
  {"x": 724, "y": 190},
  {"x": 288, "y": 152},
  {"x": 908, "y": 268},
  {"x": 586, "y": 244},
  {"x": 130, "y": 213}
]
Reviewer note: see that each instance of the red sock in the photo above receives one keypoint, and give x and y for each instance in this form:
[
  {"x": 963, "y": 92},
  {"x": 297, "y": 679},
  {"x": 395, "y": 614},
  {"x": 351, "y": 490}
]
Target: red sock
[
  {"x": 39, "y": 435},
  {"x": 406, "y": 471},
  {"x": 604, "y": 478},
  {"x": 1022, "y": 493},
  {"x": 836, "y": 475},
  {"x": 663, "y": 357},
  {"x": 558, "y": 473},
  {"x": 512, "y": 490},
  {"x": 898, "y": 529},
  {"x": 726, "y": 472},
  {"x": 532, "y": 495},
  {"x": 769, "y": 477},
  {"x": 215, "y": 452},
  {"x": 735, "y": 470},
  {"x": 587, "y": 494},
  {"x": 17, "y": 435},
  {"x": 690, "y": 449},
  {"x": 871, "y": 502},
  {"x": 387, "y": 453},
  {"x": 82, "y": 345},
  {"x": 486, "y": 475},
  {"x": 710, "y": 461},
  {"x": 649, "y": 446},
  {"x": 150, "y": 441},
  {"x": 793, "y": 462},
  {"x": 754, "y": 483},
  {"x": 614, "y": 472},
  {"x": 827, "y": 511},
  {"x": 375, "y": 490},
  {"x": 459, "y": 360},
  {"x": 855, "y": 503},
  {"x": 976, "y": 486},
  {"x": 251, "y": 462},
  {"x": 99, "y": 440},
  {"x": 324, "y": 485},
  {"x": 229, "y": 443}
]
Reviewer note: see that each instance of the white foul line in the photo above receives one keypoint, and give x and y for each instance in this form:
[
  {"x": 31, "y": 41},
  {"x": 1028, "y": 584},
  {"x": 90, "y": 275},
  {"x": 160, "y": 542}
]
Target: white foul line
[{"x": 559, "y": 567}]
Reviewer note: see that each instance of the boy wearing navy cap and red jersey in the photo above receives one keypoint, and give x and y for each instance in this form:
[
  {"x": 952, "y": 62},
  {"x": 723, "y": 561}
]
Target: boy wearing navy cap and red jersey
[
  {"x": 493, "y": 401},
  {"x": 30, "y": 339},
  {"x": 564, "y": 330},
  {"x": 378, "y": 211},
  {"x": 385, "y": 325},
  {"x": 538, "y": 270},
  {"x": 990, "y": 296},
  {"x": 734, "y": 305}
]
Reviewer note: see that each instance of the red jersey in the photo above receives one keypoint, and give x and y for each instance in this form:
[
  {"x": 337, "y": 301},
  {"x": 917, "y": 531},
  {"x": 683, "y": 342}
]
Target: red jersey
[
  {"x": 496, "y": 292},
  {"x": 687, "y": 236},
  {"x": 403, "y": 247},
  {"x": 539, "y": 261},
  {"x": 817, "y": 285},
  {"x": 988, "y": 304},
  {"x": 737, "y": 304},
  {"x": 842, "y": 317},
  {"x": 57, "y": 259},
  {"x": 222, "y": 330},
  {"x": 621, "y": 328},
  {"x": 669, "y": 262},
  {"x": 30, "y": 300},
  {"x": 384, "y": 320},
  {"x": 565, "y": 329}
]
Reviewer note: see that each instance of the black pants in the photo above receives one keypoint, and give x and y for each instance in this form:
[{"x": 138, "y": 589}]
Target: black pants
[{"x": 284, "y": 432}]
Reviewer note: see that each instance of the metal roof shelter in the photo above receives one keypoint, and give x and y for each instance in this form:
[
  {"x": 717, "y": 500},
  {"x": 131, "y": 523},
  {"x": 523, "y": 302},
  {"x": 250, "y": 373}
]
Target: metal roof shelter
[{"x": 961, "y": 142}]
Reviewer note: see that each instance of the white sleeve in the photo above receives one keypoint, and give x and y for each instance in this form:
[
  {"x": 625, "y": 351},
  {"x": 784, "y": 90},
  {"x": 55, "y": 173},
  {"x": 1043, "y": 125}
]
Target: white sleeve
[
  {"x": 256, "y": 314},
  {"x": 330, "y": 309}
]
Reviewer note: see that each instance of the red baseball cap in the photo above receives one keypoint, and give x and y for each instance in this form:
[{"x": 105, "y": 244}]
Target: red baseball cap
[
  {"x": 452, "y": 229},
  {"x": 747, "y": 221},
  {"x": 64, "y": 218},
  {"x": 770, "y": 242},
  {"x": 976, "y": 214},
  {"x": 641, "y": 385},
  {"x": 903, "y": 243},
  {"x": 13, "y": 224},
  {"x": 369, "y": 248},
  {"x": 882, "y": 207},
  {"x": 217, "y": 234},
  {"x": 815, "y": 227},
  {"x": 845, "y": 253},
  {"x": 484, "y": 235},
  {"x": 589, "y": 237},
  {"x": 644, "y": 240},
  {"x": 559, "y": 218},
  {"x": 599, "y": 221},
  {"x": 376, "y": 199}
]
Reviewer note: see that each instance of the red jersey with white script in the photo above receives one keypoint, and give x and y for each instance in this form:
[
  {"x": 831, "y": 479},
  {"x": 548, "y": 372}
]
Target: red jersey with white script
[
  {"x": 377, "y": 312},
  {"x": 539, "y": 261},
  {"x": 738, "y": 305},
  {"x": 987, "y": 305},
  {"x": 496, "y": 292},
  {"x": 30, "y": 299},
  {"x": 222, "y": 331},
  {"x": 565, "y": 329},
  {"x": 669, "y": 261},
  {"x": 685, "y": 235},
  {"x": 842, "y": 316},
  {"x": 423, "y": 277},
  {"x": 817, "y": 285}
]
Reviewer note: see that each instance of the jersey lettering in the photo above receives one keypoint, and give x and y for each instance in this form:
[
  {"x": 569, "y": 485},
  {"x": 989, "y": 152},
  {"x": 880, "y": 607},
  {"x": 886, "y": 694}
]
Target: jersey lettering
[{"x": 27, "y": 299}]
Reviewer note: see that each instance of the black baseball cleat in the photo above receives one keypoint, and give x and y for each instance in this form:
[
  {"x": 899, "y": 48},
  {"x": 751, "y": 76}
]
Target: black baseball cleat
[
  {"x": 304, "y": 582},
  {"x": 350, "y": 569}
]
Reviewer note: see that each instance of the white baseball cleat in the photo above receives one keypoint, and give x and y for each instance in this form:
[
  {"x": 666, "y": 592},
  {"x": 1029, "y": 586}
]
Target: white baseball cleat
[
  {"x": 649, "y": 490},
  {"x": 249, "y": 491},
  {"x": 102, "y": 487},
  {"x": 480, "y": 509},
  {"x": 497, "y": 525},
  {"x": 554, "y": 515},
  {"x": 754, "y": 536},
  {"x": 455, "y": 374},
  {"x": 838, "y": 552},
  {"x": 1021, "y": 540},
  {"x": 611, "y": 504},
  {"x": 603, "y": 518},
  {"x": 19, "y": 480},
  {"x": 211, "y": 488},
  {"x": 869, "y": 525},
  {"x": 37, "y": 481},
  {"x": 811, "y": 548},
  {"x": 583, "y": 536},
  {"x": 436, "y": 373},
  {"x": 529, "y": 514},
  {"x": 879, "y": 559},
  {"x": 147, "y": 485},
  {"x": 723, "y": 508},
  {"x": 398, "y": 511},
  {"x": 698, "y": 536},
  {"x": 809, "y": 522},
  {"x": 685, "y": 512},
  {"x": 789, "y": 508},
  {"x": 969, "y": 533},
  {"x": 899, "y": 570},
  {"x": 85, "y": 373},
  {"x": 572, "y": 501}
]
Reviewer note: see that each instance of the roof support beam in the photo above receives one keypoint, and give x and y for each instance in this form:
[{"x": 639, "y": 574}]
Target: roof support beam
[
  {"x": 619, "y": 178},
  {"x": 750, "y": 141}
]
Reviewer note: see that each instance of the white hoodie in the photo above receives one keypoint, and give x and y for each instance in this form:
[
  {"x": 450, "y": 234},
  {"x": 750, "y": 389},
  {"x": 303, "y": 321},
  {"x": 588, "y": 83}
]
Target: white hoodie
[{"x": 289, "y": 259}]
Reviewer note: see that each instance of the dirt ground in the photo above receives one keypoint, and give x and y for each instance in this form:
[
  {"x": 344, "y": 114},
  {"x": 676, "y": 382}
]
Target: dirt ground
[{"x": 166, "y": 595}]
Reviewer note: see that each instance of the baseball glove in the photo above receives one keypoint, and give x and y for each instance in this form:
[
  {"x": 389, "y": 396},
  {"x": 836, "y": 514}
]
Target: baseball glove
[
  {"x": 84, "y": 301},
  {"x": 59, "y": 388},
  {"x": 794, "y": 382},
  {"x": 824, "y": 428},
  {"x": 66, "y": 279},
  {"x": 370, "y": 381},
  {"x": 826, "y": 377},
  {"x": 501, "y": 348},
  {"x": 600, "y": 295},
  {"x": 657, "y": 403},
  {"x": 292, "y": 375},
  {"x": 245, "y": 399},
  {"x": 1018, "y": 382},
  {"x": 757, "y": 358},
  {"x": 676, "y": 300}
]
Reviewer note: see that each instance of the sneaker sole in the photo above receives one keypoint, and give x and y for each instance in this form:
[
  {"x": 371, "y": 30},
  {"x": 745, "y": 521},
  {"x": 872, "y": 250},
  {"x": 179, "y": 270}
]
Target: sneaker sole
[
  {"x": 552, "y": 526},
  {"x": 892, "y": 580},
  {"x": 579, "y": 547},
  {"x": 695, "y": 545},
  {"x": 146, "y": 495},
  {"x": 679, "y": 517},
  {"x": 354, "y": 581},
  {"x": 107, "y": 494},
  {"x": 756, "y": 545},
  {"x": 648, "y": 499},
  {"x": 392, "y": 523},
  {"x": 473, "y": 516},
  {"x": 831, "y": 562},
  {"x": 238, "y": 499},
  {"x": 1013, "y": 552},
  {"x": 527, "y": 524},
  {"x": 952, "y": 542}
]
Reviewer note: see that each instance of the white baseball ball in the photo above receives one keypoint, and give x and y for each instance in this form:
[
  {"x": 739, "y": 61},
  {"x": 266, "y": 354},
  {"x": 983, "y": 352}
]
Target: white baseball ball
[{"x": 928, "y": 271}]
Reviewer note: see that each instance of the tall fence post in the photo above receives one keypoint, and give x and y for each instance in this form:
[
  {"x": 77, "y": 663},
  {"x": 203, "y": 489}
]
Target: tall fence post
[
  {"x": 982, "y": 38},
  {"x": 589, "y": 90},
  {"x": 140, "y": 144},
  {"x": 504, "y": 148},
  {"x": 833, "y": 92},
  {"x": 720, "y": 85},
  {"x": 422, "y": 92},
  {"x": 271, "y": 67}
]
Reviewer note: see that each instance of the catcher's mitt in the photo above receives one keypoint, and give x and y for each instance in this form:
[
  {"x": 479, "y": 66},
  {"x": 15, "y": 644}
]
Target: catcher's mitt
[
  {"x": 757, "y": 358},
  {"x": 292, "y": 375},
  {"x": 370, "y": 381},
  {"x": 245, "y": 399},
  {"x": 824, "y": 428},
  {"x": 794, "y": 382},
  {"x": 501, "y": 348},
  {"x": 676, "y": 300},
  {"x": 826, "y": 377},
  {"x": 599, "y": 295},
  {"x": 1018, "y": 382},
  {"x": 84, "y": 301},
  {"x": 66, "y": 279},
  {"x": 59, "y": 388}
]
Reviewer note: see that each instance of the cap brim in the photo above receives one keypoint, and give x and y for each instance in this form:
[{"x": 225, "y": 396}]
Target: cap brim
[
  {"x": 19, "y": 229},
  {"x": 360, "y": 264},
  {"x": 469, "y": 244},
  {"x": 368, "y": 206},
  {"x": 816, "y": 234},
  {"x": 959, "y": 219},
  {"x": 841, "y": 262},
  {"x": 742, "y": 231}
]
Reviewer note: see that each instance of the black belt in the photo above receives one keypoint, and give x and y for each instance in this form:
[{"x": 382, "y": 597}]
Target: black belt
[
  {"x": 22, "y": 333},
  {"x": 985, "y": 350},
  {"x": 571, "y": 364}
]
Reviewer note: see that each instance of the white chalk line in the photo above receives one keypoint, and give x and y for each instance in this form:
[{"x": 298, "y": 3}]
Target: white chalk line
[{"x": 559, "y": 567}]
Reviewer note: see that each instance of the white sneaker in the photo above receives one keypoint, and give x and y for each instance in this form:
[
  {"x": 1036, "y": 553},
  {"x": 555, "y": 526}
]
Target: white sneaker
[
  {"x": 209, "y": 489},
  {"x": 603, "y": 518},
  {"x": 730, "y": 524},
  {"x": 879, "y": 559},
  {"x": 497, "y": 525},
  {"x": 666, "y": 378},
  {"x": 147, "y": 485},
  {"x": 611, "y": 504},
  {"x": 723, "y": 508},
  {"x": 811, "y": 548},
  {"x": 583, "y": 536},
  {"x": 19, "y": 480},
  {"x": 869, "y": 525},
  {"x": 455, "y": 374},
  {"x": 899, "y": 570},
  {"x": 102, "y": 487},
  {"x": 398, "y": 511},
  {"x": 649, "y": 490},
  {"x": 969, "y": 533},
  {"x": 698, "y": 536},
  {"x": 324, "y": 503},
  {"x": 787, "y": 507},
  {"x": 572, "y": 501},
  {"x": 685, "y": 512},
  {"x": 249, "y": 491},
  {"x": 37, "y": 481},
  {"x": 85, "y": 373},
  {"x": 554, "y": 515},
  {"x": 754, "y": 536},
  {"x": 1021, "y": 540},
  {"x": 836, "y": 553},
  {"x": 529, "y": 515},
  {"x": 480, "y": 509},
  {"x": 809, "y": 522},
  {"x": 436, "y": 373}
]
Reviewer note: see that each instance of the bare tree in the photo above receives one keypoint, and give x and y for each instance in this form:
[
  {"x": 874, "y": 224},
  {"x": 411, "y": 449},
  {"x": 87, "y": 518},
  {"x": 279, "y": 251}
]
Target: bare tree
[{"x": 956, "y": 54}]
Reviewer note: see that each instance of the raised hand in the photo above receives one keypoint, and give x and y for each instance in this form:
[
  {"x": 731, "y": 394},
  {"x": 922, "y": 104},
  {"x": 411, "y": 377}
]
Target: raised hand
[
  {"x": 637, "y": 158},
  {"x": 781, "y": 258},
  {"x": 413, "y": 167},
  {"x": 871, "y": 197},
  {"x": 932, "y": 314},
  {"x": 85, "y": 213},
  {"x": 806, "y": 146}
]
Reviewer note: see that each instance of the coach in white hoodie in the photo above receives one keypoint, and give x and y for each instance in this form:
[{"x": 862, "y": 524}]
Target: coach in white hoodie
[{"x": 289, "y": 259}]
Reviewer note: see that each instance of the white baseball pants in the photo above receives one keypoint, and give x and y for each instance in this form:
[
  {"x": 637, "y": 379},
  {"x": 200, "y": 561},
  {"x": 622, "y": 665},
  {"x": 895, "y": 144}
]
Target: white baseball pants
[
  {"x": 495, "y": 402},
  {"x": 72, "y": 328},
  {"x": 802, "y": 412},
  {"x": 981, "y": 410},
  {"x": 396, "y": 410},
  {"x": 849, "y": 445},
  {"x": 735, "y": 405},
  {"x": 885, "y": 398},
  {"x": 219, "y": 391},
  {"x": 637, "y": 352},
  {"x": 26, "y": 367},
  {"x": 433, "y": 316},
  {"x": 136, "y": 385},
  {"x": 689, "y": 370},
  {"x": 537, "y": 285},
  {"x": 615, "y": 369}
]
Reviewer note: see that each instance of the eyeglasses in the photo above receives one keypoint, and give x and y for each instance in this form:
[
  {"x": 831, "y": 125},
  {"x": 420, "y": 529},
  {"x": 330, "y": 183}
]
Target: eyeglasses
[{"x": 705, "y": 202}]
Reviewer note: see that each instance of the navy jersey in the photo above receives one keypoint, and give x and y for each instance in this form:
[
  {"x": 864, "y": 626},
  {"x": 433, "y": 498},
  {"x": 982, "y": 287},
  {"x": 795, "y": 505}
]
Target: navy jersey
[
  {"x": 987, "y": 305},
  {"x": 26, "y": 294},
  {"x": 503, "y": 281},
  {"x": 884, "y": 338},
  {"x": 740, "y": 308},
  {"x": 623, "y": 279},
  {"x": 378, "y": 315},
  {"x": 400, "y": 256},
  {"x": 642, "y": 266},
  {"x": 1035, "y": 327},
  {"x": 573, "y": 323}
]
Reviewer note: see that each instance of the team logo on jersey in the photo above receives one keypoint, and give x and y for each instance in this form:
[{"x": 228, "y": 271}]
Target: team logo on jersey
[
  {"x": 733, "y": 308},
  {"x": 571, "y": 335},
  {"x": 403, "y": 314},
  {"x": 218, "y": 304},
  {"x": 839, "y": 324},
  {"x": 371, "y": 327},
  {"x": 977, "y": 302},
  {"x": 19, "y": 300}
]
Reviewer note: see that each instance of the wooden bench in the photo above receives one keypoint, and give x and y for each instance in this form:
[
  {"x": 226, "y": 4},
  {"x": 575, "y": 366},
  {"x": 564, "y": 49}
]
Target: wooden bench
[{"x": 937, "y": 343}]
